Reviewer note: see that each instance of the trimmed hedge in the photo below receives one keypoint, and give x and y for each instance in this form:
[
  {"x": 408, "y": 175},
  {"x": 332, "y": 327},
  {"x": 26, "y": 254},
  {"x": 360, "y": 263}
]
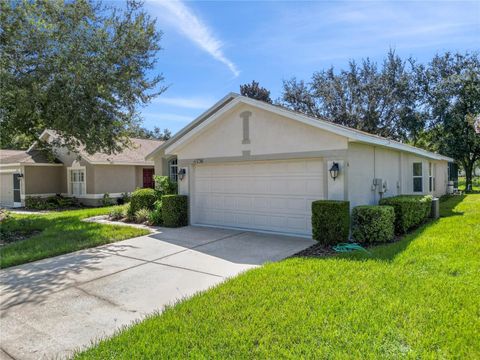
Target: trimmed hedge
[
  {"x": 330, "y": 221},
  {"x": 175, "y": 210},
  {"x": 373, "y": 224},
  {"x": 50, "y": 203},
  {"x": 142, "y": 199},
  {"x": 410, "y": 210}
]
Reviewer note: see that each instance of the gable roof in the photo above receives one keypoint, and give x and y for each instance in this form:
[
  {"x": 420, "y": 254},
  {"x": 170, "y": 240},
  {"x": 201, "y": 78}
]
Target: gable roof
[
  {"x": 232, "y": 100},
  {"x": 133, "y": 155},
  {"x": 11, "y": 157}
]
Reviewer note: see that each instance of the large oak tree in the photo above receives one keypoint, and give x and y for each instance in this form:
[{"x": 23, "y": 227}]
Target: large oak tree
[{"x": 76, "y": 67}]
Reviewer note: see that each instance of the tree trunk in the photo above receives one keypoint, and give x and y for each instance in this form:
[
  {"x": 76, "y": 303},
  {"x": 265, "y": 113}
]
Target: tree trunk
[{"x": 468, "y": 166}]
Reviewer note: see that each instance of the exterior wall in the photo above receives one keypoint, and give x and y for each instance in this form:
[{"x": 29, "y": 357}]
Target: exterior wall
[
  {"x": 268, "y": 134},
  {"x": 42, "y": 179},
  {"x": 113, "y": 179},
  {"x": 367, "y": 162}
]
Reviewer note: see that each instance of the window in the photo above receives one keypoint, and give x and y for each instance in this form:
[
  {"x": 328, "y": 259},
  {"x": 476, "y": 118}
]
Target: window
[
  {"x": 77, "y": 182},
  {"x": 431, "y": 176},
  {"x": 417, "y": 177},
  {"x": 173, "y": 170}
]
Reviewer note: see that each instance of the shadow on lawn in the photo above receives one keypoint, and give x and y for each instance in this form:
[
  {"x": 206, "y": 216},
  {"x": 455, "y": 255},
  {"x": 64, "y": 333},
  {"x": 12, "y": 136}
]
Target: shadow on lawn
[{"x": 448, "y": 203}]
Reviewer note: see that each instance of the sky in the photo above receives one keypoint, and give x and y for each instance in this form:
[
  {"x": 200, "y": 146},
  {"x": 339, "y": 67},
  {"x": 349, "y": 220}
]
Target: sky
[{"x": 210, "y": 48}]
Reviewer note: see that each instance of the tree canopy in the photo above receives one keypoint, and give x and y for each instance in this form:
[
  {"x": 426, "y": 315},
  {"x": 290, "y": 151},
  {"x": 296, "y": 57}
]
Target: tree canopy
[
  {"x": 79, "y": 68},
  {"x": 434, "y": 106},
  {"x": 255, "y": 91},
  {"x": 377, "y": 99},
  {"x": 450, "y": 92}
]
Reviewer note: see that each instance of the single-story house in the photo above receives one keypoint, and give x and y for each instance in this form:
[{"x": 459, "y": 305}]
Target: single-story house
[
  {"x": 74, "y": 174},
  {"x": 251, "y": 165}
]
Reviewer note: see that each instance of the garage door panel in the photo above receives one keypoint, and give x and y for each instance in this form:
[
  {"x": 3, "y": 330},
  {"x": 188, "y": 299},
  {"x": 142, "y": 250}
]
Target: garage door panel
[{"x": 266, "y": 195}]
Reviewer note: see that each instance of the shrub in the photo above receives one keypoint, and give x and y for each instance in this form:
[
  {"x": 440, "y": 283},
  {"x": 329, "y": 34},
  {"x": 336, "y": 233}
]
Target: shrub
[
  {"x": 50, "y": 203},
  {"x": 373, "y": 224},
  {"x": 164, "y": 186},
  {"x": 141, "y": 199},
  {"x": 330, "y": 221},
  {"x": 142, "y": 215},
  {"x": 175, "y": 210},
  {"x": 107, "y": 200},
  {"x": 117, "y": 212},
  {"x": 410, "y": 210},
  {"x": 124, "y": 199},
  {"x": 155, "y": 217}
]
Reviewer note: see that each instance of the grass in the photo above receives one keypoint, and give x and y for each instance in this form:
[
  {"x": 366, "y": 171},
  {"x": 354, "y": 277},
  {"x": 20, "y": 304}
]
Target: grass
[
  {"x": 60, "y": 233},
  {"x": 475, "y": 184},
  {"x": 417, "y": 298}
]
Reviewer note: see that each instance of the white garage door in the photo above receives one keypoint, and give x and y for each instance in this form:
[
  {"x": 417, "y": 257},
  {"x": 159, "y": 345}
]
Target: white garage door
[
  {"x": 260, "y": 195},
  {"x": 6, "y": 189}
]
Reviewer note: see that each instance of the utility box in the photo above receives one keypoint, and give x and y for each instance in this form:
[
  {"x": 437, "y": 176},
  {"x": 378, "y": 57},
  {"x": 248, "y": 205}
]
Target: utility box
[{"x": 435, "y": 214}]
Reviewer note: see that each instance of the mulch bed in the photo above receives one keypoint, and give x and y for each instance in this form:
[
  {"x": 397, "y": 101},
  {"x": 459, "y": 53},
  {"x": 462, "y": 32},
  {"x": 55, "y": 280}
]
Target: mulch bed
[
  {"x": 316, "y": 251},
  {"x": 8, "y": 237}
]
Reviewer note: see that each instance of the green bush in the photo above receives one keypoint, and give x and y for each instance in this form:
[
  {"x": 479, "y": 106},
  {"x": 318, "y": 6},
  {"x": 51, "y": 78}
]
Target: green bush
[
  {"x": 155, "y": 216},
  {"x": 142, "y": 215},
  {"x": 141, "y": 199},
  {"x": 165, "y": 186},
  {"x": 50, "y": 203},
  {"x": 107, "y": 200},
  {"x": 410, "y": 210},
  {"x": 373, "y": 224},
  {"x": 175, "y": 210},
  {"x": 330, "y": 221},
  {"x": 117, "y": 212}
]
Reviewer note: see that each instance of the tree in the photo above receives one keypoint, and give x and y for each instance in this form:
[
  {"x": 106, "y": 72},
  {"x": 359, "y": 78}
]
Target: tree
[
  {"x": 76, "y": 67},
  {"x": 156, "y": 133},
  {"x": 379, "y": 100},
  {"x": 255, "y": 91},
  {"x": 450, "y": 85}
]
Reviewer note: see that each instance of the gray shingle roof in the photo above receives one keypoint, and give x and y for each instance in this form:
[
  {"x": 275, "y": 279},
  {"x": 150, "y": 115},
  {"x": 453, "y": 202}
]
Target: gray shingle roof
[{"x": 25, "y": 157}]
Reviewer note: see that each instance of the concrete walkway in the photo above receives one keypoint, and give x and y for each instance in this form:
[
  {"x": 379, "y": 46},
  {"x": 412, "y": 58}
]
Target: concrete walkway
[{"x": 51, "y": 307}]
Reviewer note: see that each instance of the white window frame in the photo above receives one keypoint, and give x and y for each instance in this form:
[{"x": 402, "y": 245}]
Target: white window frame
[
  {"x": 82, "y": 169},
  {"x": 173, "y": 169},
  {"x": 417, "y": 176}
]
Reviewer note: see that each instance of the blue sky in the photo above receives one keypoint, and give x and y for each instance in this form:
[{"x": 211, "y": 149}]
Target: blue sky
[{"x": 211, "y": 47}]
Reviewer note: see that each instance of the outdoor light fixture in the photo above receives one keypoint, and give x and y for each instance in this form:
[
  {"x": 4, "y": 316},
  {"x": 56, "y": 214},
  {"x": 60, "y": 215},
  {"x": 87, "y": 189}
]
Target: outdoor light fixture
[
  {"x": 181, "y": 174},
  {"x": 334, "y": 170}
]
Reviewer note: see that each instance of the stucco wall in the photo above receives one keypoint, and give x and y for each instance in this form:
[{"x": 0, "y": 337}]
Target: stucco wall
[
  {"x": 269, "y": 133},
  {"x": 113, "y": 178},
  {"x": 366, "y": 162},
  {"x": 43, "y": 179}
]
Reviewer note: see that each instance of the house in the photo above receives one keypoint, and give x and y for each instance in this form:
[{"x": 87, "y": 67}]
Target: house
[
  {"x": 251, "y": 165},
  {"x": 84, "y": 176}
]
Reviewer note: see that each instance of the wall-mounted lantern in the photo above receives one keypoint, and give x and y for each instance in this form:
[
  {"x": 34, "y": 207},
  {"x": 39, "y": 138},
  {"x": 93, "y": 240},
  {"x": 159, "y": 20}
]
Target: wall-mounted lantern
[
  {"x": 334, "y": 170},
  {"x": 181, "y": 173}
]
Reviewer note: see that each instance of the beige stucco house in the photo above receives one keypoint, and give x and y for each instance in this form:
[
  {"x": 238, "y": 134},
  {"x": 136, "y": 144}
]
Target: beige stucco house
[
  {"x": 251, "y": 165},
  {"x": 86, "y": 177}
]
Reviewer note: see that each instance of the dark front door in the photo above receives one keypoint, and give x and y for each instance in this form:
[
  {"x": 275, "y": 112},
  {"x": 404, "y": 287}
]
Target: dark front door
[
  {"x": 16, "y": 188},
  {"x": 148, "y": 178}
]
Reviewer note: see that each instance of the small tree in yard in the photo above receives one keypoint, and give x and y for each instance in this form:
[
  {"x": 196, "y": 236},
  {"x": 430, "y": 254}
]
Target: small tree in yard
[{"x": 451, "y": 89}]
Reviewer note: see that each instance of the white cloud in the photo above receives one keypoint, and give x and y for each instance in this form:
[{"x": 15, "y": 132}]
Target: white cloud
[
  {"x": 189, "y": 103},
  {"x": 196, "y": 30}
]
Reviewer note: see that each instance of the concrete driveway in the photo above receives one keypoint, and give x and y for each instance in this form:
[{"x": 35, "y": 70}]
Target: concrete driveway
[{"x": 51, "y": 307}]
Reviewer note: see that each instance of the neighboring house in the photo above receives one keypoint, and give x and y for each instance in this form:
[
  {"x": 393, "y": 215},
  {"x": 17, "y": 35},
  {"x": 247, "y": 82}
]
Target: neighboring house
[
  {"x": 251, "y": 165},
  {"x": 75, "y": 174}
]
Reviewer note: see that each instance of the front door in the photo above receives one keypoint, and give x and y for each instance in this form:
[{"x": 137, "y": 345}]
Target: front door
[
  {"x": 148, "y": 178},
  {"x": 16, "y": 190}
]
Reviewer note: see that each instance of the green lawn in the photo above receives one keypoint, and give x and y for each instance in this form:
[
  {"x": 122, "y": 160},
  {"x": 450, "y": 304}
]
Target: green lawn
[
  {"x": 417, "y": 298},
  {"x": 475, "y": 183},
  {"x": 60, "y": 233}
]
